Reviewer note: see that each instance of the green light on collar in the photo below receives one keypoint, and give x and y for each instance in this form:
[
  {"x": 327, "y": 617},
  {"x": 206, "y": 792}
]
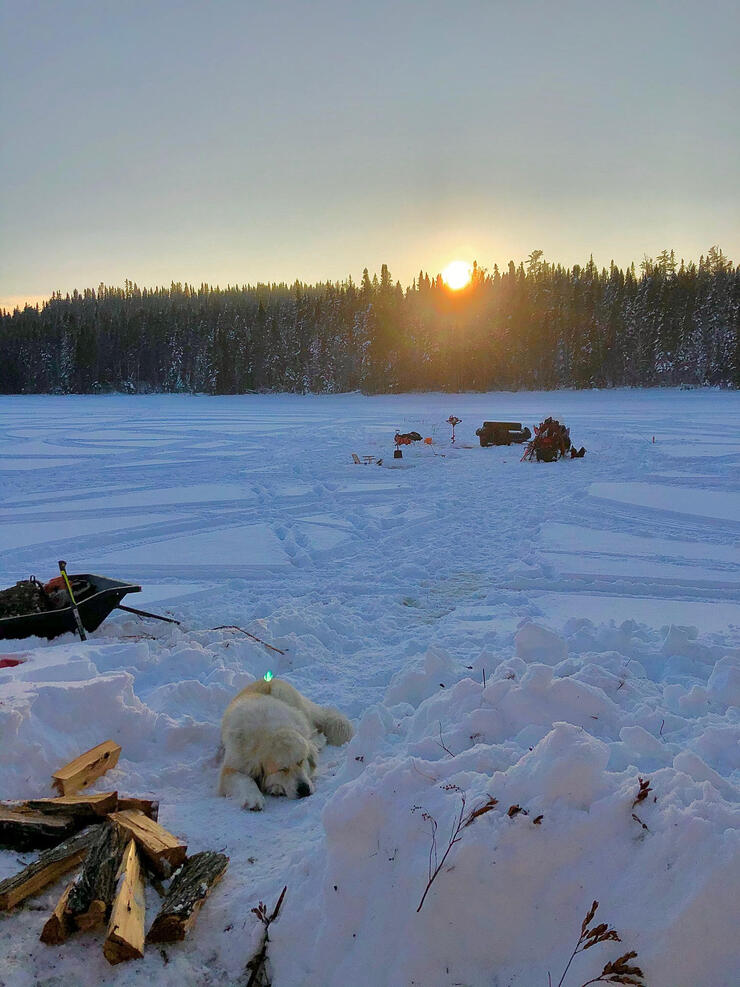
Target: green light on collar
[{"x": 268, "y": 676}]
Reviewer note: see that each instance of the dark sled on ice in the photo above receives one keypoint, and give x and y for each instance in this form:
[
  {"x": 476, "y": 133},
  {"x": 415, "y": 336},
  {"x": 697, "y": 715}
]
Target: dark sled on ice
[
  {"x": 103, "y": 597},
  {"x": 502, "y": 433}
]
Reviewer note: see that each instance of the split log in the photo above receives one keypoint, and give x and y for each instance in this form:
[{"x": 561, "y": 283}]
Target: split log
[
  {"x": 163, "y": 851},
  {"x": 48, "y": 867},
  {"x": 59, "y": 926},
  {"x": 125, "y": 940},
  {"x": 150, "y": 807},
  {"x": 22, "y": 829},
  {"x": 81, "y": 806},
  {"x": 86, "y": 768},
  {"x": 91, "y": 896},
  {"x": 189, "y": 889},
  {"x": 88, "y": 806}
]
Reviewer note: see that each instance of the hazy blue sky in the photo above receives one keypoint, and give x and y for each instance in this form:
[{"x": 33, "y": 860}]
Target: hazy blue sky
[{"x": 241, "y": 141}]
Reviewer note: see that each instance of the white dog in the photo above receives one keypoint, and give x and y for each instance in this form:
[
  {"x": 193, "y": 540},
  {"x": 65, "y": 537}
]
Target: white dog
[{"x": 272, "y": 736}]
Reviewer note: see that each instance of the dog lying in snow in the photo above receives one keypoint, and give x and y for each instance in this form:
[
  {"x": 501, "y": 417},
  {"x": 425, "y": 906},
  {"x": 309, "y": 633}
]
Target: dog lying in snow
[{"x": 272, "y": 736}]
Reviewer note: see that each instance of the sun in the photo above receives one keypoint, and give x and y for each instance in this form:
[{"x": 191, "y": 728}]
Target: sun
[{"x": 457, "y": 274}]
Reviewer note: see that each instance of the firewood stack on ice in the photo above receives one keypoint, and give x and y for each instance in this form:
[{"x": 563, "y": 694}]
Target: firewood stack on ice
[{"x": 114, "y": 840}]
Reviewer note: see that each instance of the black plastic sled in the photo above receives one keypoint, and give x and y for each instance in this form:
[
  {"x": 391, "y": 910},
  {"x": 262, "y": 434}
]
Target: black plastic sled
[
  {"x": 502, "y": 433},
  {"x": 94, "y": 607}
]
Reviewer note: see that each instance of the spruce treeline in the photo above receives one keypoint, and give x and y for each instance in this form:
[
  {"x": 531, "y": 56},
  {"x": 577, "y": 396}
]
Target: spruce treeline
[{"x": 538, "y": 325}]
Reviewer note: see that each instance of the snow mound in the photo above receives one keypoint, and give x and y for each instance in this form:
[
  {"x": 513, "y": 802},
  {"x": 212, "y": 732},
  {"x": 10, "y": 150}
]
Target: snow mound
[
  {"x": 567, "y": 828},
  {"x": 534, "y": 642}
]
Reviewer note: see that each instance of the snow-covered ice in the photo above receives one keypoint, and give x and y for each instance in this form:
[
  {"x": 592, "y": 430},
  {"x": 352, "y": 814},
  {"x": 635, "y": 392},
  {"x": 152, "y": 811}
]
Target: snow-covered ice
[{"x": 543, "y": 634}]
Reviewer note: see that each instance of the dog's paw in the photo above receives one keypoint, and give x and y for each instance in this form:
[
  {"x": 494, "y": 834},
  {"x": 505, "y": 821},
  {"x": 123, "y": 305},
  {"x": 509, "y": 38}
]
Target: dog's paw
[
  {"x": 336, "y": 728},
  {"x": 255, "y": 803}
]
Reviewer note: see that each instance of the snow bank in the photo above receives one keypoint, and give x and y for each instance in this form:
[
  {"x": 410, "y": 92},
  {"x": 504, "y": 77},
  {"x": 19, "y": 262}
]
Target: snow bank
[{"x": 507, "y": 905}]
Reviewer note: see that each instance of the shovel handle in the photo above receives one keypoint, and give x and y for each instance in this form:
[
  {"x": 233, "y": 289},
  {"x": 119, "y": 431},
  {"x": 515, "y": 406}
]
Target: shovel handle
[{"x": 75, "y": 611}]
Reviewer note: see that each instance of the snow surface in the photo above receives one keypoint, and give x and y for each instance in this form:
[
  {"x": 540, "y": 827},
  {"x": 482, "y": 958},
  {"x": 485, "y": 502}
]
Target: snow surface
[{"x": 545, "y": 634}]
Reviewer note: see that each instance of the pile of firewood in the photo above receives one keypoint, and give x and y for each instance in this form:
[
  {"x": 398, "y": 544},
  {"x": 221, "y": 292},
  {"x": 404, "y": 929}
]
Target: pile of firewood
[{"x": 115, "y": 839}]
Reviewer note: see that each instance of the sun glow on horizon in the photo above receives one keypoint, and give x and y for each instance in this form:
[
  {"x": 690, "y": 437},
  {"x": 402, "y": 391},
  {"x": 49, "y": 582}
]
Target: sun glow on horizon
[{"x": 457, "y": 274}]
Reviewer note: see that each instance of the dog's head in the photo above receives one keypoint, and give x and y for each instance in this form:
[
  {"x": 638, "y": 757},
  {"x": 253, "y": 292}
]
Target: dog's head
[{"x": 284, "y": 763}]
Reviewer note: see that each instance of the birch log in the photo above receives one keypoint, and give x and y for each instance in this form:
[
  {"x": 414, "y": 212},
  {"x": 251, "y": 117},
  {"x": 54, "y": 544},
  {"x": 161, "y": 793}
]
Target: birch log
[{"x": 190, "y": 887}]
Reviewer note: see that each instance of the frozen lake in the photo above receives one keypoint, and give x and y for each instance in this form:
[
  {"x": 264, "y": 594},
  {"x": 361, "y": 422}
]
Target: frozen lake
[
  {"x": 544, "y": 634},
  {"x": 182, "y": 491}
]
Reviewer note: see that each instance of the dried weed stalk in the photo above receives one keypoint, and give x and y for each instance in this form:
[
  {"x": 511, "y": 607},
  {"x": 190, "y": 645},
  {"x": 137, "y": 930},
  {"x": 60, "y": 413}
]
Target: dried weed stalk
[
  {"x": 642, "y": 794},
  {"x": 644, "y": 791},
  {"x": 619, "y": 971},
  {"x": 233, "y": 627},
  {"x": 442, "y": 743},
  {"x": 257, "y": 965},
  {"x": 461, "y": 822}
]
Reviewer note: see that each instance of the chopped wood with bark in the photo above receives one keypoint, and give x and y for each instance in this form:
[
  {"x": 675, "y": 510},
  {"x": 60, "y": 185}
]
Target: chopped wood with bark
[
  {"x": 150, "y": 807},
  {"x": 23, "y": 829},
  {"x": 163, "y": 851},
  {"x": 91, "y": 896},
  {"x": 48, "y": 867},
  {"x": 125, "y": 940},
  {"x": 83, "y": 806},
  {"x": 86, "y": 768},
  {"x": 189, "y": 889},
  {"x": 59, "y": 926}
]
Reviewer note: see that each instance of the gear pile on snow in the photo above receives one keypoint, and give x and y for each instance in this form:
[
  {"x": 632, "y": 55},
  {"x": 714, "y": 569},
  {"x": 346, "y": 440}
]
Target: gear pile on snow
[
  {"x": 551, "y": 441},
  {"x": 406, "y": 438}
]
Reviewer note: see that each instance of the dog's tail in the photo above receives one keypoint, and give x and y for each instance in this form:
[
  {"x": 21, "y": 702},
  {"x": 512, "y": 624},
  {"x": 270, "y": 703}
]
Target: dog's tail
[{"x": 336, "y": 728}]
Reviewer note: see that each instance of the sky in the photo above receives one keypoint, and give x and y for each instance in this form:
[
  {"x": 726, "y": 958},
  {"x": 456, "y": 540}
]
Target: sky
[{"x": 235, "y": 141}]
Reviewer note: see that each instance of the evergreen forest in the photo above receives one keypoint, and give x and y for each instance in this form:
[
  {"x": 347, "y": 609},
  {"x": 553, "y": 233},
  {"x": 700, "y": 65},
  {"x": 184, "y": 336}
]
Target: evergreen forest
[{"x": 536, "y": 325}]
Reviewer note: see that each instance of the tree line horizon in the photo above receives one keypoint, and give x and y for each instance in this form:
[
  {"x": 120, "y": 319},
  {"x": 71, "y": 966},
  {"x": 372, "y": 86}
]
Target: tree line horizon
[{"x": 535, "y": 325}]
